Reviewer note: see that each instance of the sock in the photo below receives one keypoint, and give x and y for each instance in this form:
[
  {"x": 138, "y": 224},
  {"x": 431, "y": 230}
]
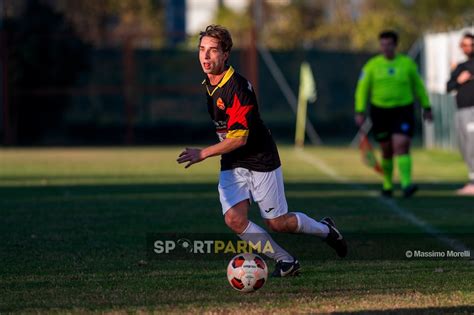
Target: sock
[
  {"x": 404, "y": 168},
  {"x": 307, "y": 225},
  {"x": 387, "y": 167},
  {"x": 253, "y": 233}
]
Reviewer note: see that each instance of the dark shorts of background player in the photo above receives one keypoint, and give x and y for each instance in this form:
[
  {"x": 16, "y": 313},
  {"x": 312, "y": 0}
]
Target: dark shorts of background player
[{"x": 389, "y": 121}]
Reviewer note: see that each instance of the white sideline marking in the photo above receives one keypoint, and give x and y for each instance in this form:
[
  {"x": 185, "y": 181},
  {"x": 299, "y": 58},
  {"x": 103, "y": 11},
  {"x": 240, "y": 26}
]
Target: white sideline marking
[
  {"x": 321, "y": 166},
  {"x": 391, "y": 204}
]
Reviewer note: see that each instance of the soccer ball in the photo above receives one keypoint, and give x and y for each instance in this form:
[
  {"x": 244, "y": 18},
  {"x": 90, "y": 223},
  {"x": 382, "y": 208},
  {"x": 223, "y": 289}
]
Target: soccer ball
[{"x": 247, "y": 272}]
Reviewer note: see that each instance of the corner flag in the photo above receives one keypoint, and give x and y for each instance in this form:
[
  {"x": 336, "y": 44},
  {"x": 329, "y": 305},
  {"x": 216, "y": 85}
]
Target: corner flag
[
  {"x": 368, "y": 155},
  {"x": 307, "y": 93}
]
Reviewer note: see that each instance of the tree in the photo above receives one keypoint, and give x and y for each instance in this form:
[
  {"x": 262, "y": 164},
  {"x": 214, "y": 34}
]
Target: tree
[
  {"x": 350, "y": 24},
  {"x": 108, "y": 22}
]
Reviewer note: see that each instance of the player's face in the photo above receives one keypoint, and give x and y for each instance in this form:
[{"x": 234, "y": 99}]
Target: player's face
[
  {"x": 388, "y": 47},
  {"x": 467, "y": 46},
  {"x": 211, "y": 56}
]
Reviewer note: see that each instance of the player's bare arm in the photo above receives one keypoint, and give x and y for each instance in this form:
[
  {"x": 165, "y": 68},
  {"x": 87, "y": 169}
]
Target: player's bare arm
[{"x": 195, "y": 155}]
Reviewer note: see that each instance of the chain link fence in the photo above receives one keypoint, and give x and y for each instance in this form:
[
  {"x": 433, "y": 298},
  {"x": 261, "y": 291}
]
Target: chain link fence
[{"x": 441, "y": 133}]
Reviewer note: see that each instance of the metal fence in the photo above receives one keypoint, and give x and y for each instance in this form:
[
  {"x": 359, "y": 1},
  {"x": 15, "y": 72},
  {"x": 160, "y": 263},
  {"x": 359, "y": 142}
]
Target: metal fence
[
  {"x": 441, "y": 133},
  {"x": 144, "y": 96}
]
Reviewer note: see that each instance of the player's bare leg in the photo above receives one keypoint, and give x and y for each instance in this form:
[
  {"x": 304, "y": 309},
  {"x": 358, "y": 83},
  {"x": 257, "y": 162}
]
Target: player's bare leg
[
  {"x": 237, "y": 220},
  {"x": 287, "y": 223},
  {"x": 297, "y": 222}
]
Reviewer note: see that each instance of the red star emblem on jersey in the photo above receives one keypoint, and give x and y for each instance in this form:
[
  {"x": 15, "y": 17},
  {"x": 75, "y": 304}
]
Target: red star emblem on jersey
[{"x": 237, "y": 113}]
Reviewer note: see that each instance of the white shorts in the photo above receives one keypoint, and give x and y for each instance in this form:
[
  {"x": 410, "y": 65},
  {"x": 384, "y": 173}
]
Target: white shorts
[{"x": 265, "y": 188}]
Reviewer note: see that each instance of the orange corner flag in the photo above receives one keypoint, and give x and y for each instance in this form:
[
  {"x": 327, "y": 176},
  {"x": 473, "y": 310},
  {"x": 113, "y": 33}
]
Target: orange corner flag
[{"x": 368, "y": 155}]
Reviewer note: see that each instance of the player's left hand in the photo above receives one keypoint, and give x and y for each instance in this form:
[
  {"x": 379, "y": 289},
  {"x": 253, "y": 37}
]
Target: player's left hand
[
  {"x": 191, "y": 155},
  {"x": 427, "y": 115}
]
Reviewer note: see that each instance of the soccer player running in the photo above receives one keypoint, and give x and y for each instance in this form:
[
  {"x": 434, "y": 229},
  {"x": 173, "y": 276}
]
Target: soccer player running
[
  {"x": 250, "y": 164},
  {"x": 462, "y": 80},
  {"x": 390, "y": 82}
]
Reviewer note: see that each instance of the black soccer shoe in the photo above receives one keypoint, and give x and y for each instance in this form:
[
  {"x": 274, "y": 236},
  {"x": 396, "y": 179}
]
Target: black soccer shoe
[
  {"x": 409, "y": 191},
  {"x": 286, "y": 269},
  {"x": 386, "y": 193},
  {"x": 335, "y": 238}
]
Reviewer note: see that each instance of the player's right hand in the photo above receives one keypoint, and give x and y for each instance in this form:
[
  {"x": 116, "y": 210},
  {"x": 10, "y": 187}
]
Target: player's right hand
[
  {"x": 359, "y": 119},
  {"x": 464, "y": 77},
  {"x": 191, "y": 155},
  {"x": 427, "y": 114}
]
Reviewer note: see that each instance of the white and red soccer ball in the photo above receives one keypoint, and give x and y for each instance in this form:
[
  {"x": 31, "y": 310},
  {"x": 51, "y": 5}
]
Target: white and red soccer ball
[{"x": 247, "y": 272}]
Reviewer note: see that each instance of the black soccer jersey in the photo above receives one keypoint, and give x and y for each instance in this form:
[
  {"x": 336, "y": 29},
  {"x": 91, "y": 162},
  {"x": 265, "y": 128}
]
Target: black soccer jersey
[{"x": 233, "y": 107}]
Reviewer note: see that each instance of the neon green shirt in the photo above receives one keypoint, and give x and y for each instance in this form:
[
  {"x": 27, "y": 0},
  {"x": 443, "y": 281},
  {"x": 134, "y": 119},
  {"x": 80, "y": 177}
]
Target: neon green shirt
[{"x": 390, "y": 83}]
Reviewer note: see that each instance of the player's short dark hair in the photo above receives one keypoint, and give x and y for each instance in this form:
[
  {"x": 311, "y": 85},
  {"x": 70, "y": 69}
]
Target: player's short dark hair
[
  {"x": 389, "y": 34},
  {"x": 220, "y": 33},
  {"x": 468, "y": 35}
]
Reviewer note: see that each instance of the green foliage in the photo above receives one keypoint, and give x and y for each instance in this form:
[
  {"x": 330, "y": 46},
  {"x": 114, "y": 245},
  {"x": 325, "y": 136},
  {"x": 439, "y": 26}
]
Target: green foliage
[
  {"x": 238, "y": 23},
  {"x": 110, "y": 21},
  {"x": 354, "y": 25},
  {"x": 285, "y": 29}
]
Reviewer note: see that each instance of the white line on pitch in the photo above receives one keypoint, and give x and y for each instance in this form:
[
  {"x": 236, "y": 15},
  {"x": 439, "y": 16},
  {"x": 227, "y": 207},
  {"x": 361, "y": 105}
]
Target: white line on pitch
[{"x": 391, "y": 204}]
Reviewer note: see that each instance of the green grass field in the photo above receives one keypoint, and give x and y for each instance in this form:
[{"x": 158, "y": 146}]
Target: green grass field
[{"x": 74, "y": 226}]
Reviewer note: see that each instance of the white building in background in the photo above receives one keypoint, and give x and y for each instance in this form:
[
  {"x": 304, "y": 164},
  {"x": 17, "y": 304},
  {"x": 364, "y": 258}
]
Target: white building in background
[
  {"x": 441, "y": 53},
  {"x": 200, "y": 13}
]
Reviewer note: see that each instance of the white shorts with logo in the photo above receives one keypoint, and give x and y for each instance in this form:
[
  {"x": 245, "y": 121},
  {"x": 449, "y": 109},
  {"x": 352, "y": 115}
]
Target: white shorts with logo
[{"x": 265, "y": 188}]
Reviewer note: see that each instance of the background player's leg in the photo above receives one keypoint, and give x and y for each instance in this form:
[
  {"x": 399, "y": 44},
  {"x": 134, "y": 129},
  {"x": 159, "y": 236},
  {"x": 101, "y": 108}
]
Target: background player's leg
[
  {"x": 236, "y": 219},
  {"x": 382, "y": 120},
  {"x": 387, "y": 166},
  {"x": 465, "y": 132},
  {"x": 470, "y": 151},
  {"x": 401, "y": 149}
]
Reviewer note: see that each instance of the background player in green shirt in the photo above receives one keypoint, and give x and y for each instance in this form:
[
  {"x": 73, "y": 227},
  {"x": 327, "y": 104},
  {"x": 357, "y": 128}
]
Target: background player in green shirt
[{"x": 389, "y": 82}]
